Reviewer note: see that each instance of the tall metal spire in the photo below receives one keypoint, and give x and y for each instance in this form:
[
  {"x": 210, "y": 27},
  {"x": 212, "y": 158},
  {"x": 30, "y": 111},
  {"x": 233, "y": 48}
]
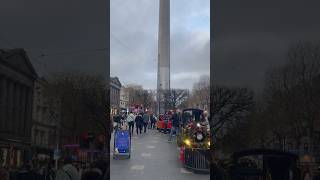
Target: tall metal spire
[{"x": 163, "y": 52}]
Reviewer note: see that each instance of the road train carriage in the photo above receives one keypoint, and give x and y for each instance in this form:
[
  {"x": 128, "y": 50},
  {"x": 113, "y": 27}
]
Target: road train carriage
[
  {"x": 160, "y": 123},
  {"x": 194, "y": 141},
  {"x": 164, "y": 123}
]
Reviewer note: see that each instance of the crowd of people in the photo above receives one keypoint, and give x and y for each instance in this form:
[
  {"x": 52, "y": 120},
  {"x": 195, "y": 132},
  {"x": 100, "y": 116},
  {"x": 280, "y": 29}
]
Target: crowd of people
[
  {"x": 140, "y": 121},
  {"x": 68, "y": 170}
]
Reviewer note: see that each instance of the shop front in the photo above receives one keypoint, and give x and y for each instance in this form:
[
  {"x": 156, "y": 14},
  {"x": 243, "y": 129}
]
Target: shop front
[
  {"x": 13, "y": 154},
  {"x": 114, "y": 111},
  {"x": 42, "y": 153}
]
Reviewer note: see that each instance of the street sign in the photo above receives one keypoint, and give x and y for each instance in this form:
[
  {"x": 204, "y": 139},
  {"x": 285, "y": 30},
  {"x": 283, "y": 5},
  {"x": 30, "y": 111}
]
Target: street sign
[
  {"x": 122, "y": 141},
  {"x": 56, "y": 154}
]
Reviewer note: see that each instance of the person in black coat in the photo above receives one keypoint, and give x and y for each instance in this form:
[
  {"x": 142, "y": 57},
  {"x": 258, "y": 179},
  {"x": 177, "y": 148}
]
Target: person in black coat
[
  {"x": 26, "y": 173},
  {"x": 175, "y": 125},
  {"x": 139, "y": 123},
  {"x": 98, "y": 171}
]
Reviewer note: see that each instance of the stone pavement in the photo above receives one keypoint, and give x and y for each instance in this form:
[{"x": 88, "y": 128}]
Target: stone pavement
[{"x": 152, "y": 158}]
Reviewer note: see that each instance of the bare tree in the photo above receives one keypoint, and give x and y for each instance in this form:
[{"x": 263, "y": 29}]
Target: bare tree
[
  {"x": 231, "y": 110},
  {"x": 134, "y": 92},
  {"x": 200, "y": 96},
  {"x": 83, "y": 100},
  {"x": 176, "y": 98},
  {"x": 292, "y": 93}
]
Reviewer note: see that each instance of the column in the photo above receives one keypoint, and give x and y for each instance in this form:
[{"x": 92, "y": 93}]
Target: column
[
  {"x": 29, "y": 113},
  {"x": 25, "y": 109},
  {"x": 22, "y": 109},
  {"x": 10, "y": 107},
  {"x": 3, "y": 103},
  {"x": 14, "y": 110},
  {"x": 17, "y": 107}
]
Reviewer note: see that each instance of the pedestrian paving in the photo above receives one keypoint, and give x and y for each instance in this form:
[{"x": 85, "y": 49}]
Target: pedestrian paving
[{"x": 153, "y": 158}]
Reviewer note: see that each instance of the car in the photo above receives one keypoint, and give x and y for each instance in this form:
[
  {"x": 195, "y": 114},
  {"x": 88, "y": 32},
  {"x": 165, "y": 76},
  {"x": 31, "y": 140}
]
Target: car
[{"x": 194, "y": 141}]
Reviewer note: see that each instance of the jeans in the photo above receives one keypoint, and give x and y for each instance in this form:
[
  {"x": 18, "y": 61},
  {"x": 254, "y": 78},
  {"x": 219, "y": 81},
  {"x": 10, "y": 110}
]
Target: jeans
[
  {"x": 139, "y": 128},
  {"x": 145, "y": 127},
  {"x": 175, "y": 129},
  {"x": 131, "y": 126},
  {"x": 153, "y": 124}
]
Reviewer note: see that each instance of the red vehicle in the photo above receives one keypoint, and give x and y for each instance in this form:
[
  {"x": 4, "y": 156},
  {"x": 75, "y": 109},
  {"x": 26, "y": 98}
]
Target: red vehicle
[
  {"x": 160, "y": 123},
  {"x": 164, "y": 123}
]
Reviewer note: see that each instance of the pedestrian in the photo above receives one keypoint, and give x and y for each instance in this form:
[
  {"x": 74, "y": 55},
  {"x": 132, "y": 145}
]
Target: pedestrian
[
  {"x": 153, "y": 121},
  {"x": 205, "y": 119},
  {"x": 97, "y": 171},
  {"x": 26, "y": 173},
  {"x": 139, "y": 122},
  {"x": 50, "y": 171},
  {"x": 145, "y": 122},
  {"x": 307, "y": 176},
  {"x": 123, "y": 117},
  {"x": 117, "y": 121},
  {"x": 130, "y": 120},
  {"x": 68, "y": 171},
  {"x": 175, "y": 125},
  {"x": 41, "y": 171},
  {"x": 4, "y": 173}
]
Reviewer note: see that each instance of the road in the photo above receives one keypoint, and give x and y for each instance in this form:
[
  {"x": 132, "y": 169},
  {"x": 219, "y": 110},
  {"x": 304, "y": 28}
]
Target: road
[{"x": 152, "y": 158}]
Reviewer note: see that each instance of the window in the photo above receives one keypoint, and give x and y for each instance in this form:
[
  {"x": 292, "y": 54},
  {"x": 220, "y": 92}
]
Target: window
[
  {"x": 306, "y": 147},
  {"x": 35, "y": 138},
  {"x": 42, "y": 138},
  {"x": 290, "y": 146}
]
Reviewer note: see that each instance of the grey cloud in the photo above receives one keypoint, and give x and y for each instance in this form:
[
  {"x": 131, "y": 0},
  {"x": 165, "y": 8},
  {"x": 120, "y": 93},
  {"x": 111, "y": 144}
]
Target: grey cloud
[
  {"x": 133, "y": 59},
  {"x": 44, "y": 27},
  {"x": 250, "y": 36}
]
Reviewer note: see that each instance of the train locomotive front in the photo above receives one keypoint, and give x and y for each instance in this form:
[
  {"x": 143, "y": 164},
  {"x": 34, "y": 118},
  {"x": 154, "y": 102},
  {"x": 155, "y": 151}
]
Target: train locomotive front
[{"x": 194, "y": 141}]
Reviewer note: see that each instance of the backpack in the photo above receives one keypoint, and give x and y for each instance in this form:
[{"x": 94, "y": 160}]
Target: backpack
[{"x": 145, "y": 118}]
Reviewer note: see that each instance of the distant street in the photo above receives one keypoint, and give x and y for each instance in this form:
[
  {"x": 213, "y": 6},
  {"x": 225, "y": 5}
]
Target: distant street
[{"x": 152, "y": 158}]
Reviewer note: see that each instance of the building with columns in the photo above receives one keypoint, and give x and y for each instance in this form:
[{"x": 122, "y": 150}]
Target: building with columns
[
  {"x": 17, "y": 77},
  {"x": 45, "y": 116}
]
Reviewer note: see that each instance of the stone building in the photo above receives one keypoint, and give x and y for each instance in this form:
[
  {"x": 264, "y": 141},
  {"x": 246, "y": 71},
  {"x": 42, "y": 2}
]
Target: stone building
[
  {"x": 17, "y": 77},
  {"x": 124, "y": 99},
  {"x": 45, "y": 121},
  {"x": 115, "y": 87}
]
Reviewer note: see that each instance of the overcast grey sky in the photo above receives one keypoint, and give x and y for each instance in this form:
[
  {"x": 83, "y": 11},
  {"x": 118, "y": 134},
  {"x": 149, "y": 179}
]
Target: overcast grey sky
[
  {"x": 251, "y": 36},
  {"x": 54, "y": 26},
  {"x": 134, "y": 35}
]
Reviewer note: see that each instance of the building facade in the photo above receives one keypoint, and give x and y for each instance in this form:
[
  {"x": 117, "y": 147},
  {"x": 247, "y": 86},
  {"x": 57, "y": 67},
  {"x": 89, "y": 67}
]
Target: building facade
[
  {"x": 45, "y": 120},
  {"x": 17, "y": 77},
  {"x": 115, "y": 87},
  {"x": 124, "y": 99}
]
